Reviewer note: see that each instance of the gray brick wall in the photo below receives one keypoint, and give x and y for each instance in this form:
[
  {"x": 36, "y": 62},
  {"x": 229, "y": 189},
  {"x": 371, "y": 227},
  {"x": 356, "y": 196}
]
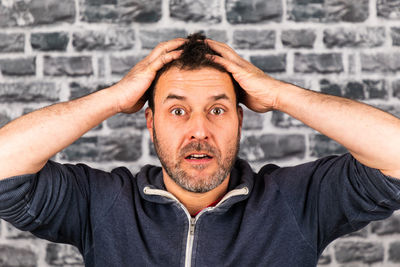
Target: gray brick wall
[{"x": 55, "y": 50}]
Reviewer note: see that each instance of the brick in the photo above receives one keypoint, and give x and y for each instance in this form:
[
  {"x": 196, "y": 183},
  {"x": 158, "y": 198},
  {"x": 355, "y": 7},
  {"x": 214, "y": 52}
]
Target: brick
[
  {"x": 18, "y": 66},
  {"x": 351, "y": 251},
  {"x": 392, "y": 109},
  {"x": 118, "y": 39},
  {"x": 270, "y": 63},
  {"x": 252, "y": 120},
  {"x": 359, "y": 90},
  {"x": 62, "y": 255},
  {"x": 328, "y": 11},
  {"x": 319, "y": 63},
  {"x": 253, "y": 11},
  {"x": 54, "y": 41},
  {"x": 272, "y": 147},
  {"x": 36, "y": 12},
  {"x": 28, "y": 92},
  {"x": 4, "y": 119},
  {"x": 115, "y": 147},
  {"x": 396, "y": 88},
  {"x": 298, "y": 38},
  {"x": 14, "y": 233},
  {"x": 196, "y": 10},
  {"x": 17, "y": 257},
  {"x": 386, "y": 227},
  {"x": 121, "y": 12},
  {"x": 78, "y": 89},
  {"x": 380, "y": 62},
  {"x": 217, "y": 35},
  {"x": 394, "y": 251},
  {"x": 13, "y": 42},
  {"x": 136, "y": 120},
  {"x": 253, "y": 39},
  {"x": 68, "y": 66},
  {"x": 351, "y": 37},
  {"x": 363, "y": 233},
  {"x": 395, "y": 34},
  {"x": 321, "y": 145},
  {"x": 388, "y": 9},
  {"x": 283, "y": 120},
  {"x": 151, "y": 38},
  {"x": 121, "y": 65},
  {"x": 324, "y": 259}
]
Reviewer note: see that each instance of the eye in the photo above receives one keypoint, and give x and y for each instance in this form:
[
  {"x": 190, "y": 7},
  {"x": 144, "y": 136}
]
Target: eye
[
  {"x": 178, "y": 112},
  {"x": 217, "y": 111}
]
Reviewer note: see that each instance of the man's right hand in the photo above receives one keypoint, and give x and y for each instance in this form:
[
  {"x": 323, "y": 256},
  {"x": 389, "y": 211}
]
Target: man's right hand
[{"x": 131, "y": 89}]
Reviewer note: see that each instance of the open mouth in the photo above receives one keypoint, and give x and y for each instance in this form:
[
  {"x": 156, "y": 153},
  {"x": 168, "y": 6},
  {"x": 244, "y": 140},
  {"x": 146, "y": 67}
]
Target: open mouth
[{"x": 198, "y": 156}]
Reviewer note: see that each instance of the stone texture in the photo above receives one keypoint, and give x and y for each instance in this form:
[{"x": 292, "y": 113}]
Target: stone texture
[
  {"x": 388, "y": 9},
  {"x": 386, "y": 227},
  {"x": 4, "y": 119},
  {"x": 395, "y": 34},
  {"x": 354, "y": 37},
  {"x": 321, "y": 146},
  {"x": 253, "y": 11},
  {"x": 328, "y": 11},
  {"x": 18, "y": 66},
  {"x": 396, "y": 88},
  {"x": 351, "y": 251},
  {"x": 325, "y": 259},
  {"x": 270, "y": 63},
  {"x": 151, "y": 38},
  {"x": 298, "y": 38},
  {"x": 253, "y": 39},
  {"x": 196, "y": 10},
  {"x": 114, "y": 147},
  {"x": 120, "y": 11},
  {"x": 112, "y": 39},
  {"x": 56, "y": 41},
  {"x": 36, "y": 12},
  {"x": 28, "y": 92},
  {"x": 14, "y": 233},
  {"x": 252, "y": 120},
  {"x": 136, "y": 120},
  {"x": 359, "y": 90},
  {"x": 12, "y": 42},
  {"x": 121, "y": 65},
  {"x": 62, "y": 255},
  {"x": 68, "y": 66},
  {"x": 217, "y": 35},
  {"x": 380, "y": 62},
  {"x": 283, "y": 120},
  {"x": 272, "y": 147},
  {"x": 320, "y": 63},
  {"x": 17, "y": 257},
  {"x": 394, "y": 251}
]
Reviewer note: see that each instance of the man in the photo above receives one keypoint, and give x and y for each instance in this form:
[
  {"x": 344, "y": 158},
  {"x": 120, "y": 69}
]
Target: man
[{"x": 204, "y": 207}]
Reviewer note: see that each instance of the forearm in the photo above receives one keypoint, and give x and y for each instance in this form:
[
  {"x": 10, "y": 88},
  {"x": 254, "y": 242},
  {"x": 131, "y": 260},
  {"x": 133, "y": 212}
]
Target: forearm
[
  {"x": 28, "y": 142},
  {"x": 371, "y": 135}
]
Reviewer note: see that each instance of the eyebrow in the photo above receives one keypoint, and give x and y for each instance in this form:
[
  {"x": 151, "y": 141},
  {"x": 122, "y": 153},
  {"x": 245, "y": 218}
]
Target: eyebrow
[{"x": 179, "y": 97}]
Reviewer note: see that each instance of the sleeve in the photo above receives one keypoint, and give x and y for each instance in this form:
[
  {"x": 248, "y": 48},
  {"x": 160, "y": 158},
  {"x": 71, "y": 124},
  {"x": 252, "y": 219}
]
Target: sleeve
[
  {"x": 337, "y": 195},
  {"x": 54, "y": 203}
]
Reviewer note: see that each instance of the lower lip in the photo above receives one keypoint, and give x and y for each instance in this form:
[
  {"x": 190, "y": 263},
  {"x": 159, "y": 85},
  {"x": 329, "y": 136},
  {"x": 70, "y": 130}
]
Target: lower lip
[{"x": 199, "y": 161}]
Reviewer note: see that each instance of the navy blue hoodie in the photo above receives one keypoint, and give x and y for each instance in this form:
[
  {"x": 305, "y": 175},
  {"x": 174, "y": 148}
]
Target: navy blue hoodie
[{"x": 276, "y": 217}]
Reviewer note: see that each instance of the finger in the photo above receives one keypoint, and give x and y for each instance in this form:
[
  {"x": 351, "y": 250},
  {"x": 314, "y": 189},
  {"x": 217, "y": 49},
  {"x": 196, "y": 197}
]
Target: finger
[
  {"x": 165, "y": 47},
  {"x": 223, "y": 49},
  {"x": 230, "y": 66},
  {"x": 159, "y": 62}
]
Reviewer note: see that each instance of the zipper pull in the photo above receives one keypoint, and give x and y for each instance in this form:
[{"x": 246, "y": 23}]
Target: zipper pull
[{"x": 192, "y": 224}]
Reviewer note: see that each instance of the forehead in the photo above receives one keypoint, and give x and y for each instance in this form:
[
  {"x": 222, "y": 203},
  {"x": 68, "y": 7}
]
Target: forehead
[{"x": 196, "y": 84}]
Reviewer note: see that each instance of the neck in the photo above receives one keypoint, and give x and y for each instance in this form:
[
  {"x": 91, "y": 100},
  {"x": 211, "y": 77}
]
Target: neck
[{"x": 195, "y": 202}]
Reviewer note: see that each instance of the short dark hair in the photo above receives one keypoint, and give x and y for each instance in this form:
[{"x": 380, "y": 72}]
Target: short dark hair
[{"x": 193, "y": 57}]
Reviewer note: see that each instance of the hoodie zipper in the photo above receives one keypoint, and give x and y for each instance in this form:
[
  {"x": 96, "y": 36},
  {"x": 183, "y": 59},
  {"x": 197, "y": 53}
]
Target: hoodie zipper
[{"x": 192, "y": 221}]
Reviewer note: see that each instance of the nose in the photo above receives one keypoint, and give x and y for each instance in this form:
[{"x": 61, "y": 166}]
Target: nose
[{"x": 198, "y": 127}]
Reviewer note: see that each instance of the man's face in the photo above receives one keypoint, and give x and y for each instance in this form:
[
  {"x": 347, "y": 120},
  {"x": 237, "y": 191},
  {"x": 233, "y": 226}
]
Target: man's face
[{"x": 196, "y": 127}]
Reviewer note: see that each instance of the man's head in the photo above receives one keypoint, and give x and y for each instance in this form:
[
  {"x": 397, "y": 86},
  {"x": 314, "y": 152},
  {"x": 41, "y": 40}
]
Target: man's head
[{"x": 196, "y": 129}]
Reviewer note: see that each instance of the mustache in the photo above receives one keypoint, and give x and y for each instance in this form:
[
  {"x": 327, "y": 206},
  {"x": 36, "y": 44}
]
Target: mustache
[{"x": 198, "y": 146}]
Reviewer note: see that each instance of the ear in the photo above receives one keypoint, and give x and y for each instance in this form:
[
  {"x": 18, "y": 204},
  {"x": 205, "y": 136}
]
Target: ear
[{"x": 149, "y": 121}]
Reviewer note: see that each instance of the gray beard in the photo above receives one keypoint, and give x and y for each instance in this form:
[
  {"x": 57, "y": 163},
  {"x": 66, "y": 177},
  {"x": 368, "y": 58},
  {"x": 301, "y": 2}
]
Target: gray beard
[{"x": 197, "y": 184}]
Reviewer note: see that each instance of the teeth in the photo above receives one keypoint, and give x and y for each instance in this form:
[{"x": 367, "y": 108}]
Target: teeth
[{"x": 198, "y": 156}]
